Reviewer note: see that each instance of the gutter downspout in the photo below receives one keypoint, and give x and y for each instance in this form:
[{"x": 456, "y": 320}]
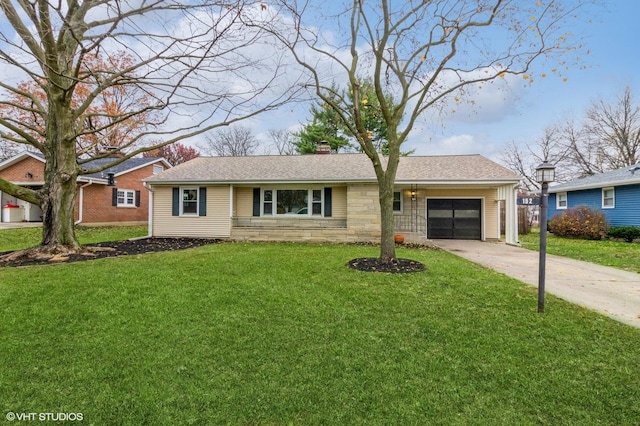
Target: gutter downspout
[
  {"x": 150, "y": 214},
  {"x": 81, "y": 201}
]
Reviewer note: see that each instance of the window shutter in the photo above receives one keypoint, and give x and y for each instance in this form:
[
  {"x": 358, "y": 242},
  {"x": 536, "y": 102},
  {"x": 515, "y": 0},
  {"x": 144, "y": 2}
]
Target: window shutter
[
  {"x": 175, "y": 202},
  {"x": 256, "y": 201},
  {"x": 202, "y": 201},
  {"x": 327, "y": 202},
  {"x": 138, "y": 198},
  {"x": 114, "y": 196}
]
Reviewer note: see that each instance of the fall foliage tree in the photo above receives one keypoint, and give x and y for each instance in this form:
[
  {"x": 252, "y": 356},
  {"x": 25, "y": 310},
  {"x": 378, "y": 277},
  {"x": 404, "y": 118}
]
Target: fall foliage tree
[
  {"x": 105, "y": 124},
  {"x": 175, "y": 154},
  {"x": 190, "y": 67},
  {"x": 425, "y": 53}
]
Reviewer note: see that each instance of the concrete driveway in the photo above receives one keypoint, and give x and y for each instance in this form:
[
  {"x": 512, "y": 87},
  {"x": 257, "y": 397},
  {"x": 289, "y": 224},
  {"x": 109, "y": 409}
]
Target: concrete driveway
[{"x": 610, "y": 291}]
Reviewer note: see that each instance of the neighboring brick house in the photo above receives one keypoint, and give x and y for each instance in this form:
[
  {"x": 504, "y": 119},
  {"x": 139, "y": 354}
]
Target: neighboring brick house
[
  {"x": 331, "y": 198},
  {"x": 97, "y": 202}
]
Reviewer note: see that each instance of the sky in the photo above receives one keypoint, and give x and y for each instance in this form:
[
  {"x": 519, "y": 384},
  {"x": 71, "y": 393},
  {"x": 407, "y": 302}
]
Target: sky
[
  {"x": 613, "y": 63},
  {"x": 520, "y": 115}
]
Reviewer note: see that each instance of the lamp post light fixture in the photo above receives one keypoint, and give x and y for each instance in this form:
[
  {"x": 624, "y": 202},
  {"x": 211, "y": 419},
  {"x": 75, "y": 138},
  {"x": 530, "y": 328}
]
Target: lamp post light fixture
[{"x": 545, "y": 173}]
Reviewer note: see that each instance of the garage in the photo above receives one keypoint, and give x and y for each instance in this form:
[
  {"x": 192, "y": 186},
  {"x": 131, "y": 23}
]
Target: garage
[{"x": 458, "y": 219}]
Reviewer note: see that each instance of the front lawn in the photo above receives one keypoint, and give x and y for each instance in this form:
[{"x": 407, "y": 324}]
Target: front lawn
[
  {"x": 21, "y": 238},
  {"x": 617, "y": 254},
  {"x": 240, "y": 333}
]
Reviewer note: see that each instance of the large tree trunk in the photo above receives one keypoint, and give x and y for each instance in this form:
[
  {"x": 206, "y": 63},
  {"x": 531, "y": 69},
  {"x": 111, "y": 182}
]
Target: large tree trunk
[
  {"x": 58, "y": 201},
  {"x": 59, "y": 193}
]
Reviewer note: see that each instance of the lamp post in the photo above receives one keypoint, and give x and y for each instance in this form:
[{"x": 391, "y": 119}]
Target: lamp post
[{"x": 545, "y": 173}]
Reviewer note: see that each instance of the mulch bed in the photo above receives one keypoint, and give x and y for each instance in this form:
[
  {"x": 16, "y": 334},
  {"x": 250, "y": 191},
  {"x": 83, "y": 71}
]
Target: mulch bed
[
  {"x": 109, "y": 249},
  {"x": 395, "y": 266},
  {"x": 153, "y": 245}
]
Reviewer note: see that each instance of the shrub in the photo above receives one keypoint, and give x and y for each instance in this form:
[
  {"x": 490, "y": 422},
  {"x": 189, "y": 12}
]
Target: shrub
[
  {"x": 627, "y": 233},
  {"x": 580, "y": 222}
]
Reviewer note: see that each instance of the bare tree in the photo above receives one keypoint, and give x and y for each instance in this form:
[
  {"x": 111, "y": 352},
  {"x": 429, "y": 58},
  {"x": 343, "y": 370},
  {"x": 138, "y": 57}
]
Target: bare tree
[
  {"x": 524, "y": 158},
  {"x": 199, "y": 66},
  {"x": 234, "y": 141},
  {"x": 283, "y": 141},
  {"x": 424, "y": 53},
  {"x": 609, "y": 137}
]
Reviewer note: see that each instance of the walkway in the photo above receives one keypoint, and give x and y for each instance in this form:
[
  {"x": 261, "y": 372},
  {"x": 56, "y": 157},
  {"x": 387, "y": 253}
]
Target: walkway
[
  {"x": 13, "y": 225},
  {"x": 610, "y": 291}
]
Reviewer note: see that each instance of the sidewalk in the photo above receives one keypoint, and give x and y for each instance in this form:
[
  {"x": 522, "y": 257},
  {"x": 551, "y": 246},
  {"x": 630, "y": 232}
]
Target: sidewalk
[
  {"x": 13, "y": 225},
  {"x": 610, "y": 291}
]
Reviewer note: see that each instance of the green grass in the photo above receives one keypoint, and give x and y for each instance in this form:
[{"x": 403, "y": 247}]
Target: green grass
[
  {"x": 617, "y": 254},
  {"x": 241, "y": 333},
  {"x": 20, "y": 238}
]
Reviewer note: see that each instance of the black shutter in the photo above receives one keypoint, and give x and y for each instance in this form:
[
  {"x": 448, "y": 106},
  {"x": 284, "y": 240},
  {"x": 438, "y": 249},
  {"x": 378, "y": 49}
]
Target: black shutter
[
  {"x": 137, "y": 198},
  {"x": 114, "y": 197},
  {"x": 202, "y": 202},
  {"x": 175, "y": 202},
  {"x": 327, "y": 202},
  {"x": 256, "y": 201}
]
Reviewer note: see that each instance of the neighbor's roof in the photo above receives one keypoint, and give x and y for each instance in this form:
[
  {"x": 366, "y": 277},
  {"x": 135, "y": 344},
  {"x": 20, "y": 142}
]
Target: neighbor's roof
[
  {"x": 625, "y": 176},
  {"x": 125, "y": 167},
  {"x": 333, "y": 168}
]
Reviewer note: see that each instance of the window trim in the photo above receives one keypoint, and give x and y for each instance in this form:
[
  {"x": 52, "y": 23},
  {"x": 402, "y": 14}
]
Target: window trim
[
  {"x": 274, "y": 202},
  {"x": 197, "y": 201},
  {"x": 612, "y": 198},
  {"x": 566, "y": 200},
  {"x": 125, "y": 197}
]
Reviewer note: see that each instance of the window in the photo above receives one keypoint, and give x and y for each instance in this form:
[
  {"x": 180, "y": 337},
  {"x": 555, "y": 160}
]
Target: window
[
  {"x": 299, "y": 202},
  {"x": 267, "y": 203},
  {"x": 561, "y": 200},
  {"x": 189, "y": 201},
  {"x": 157, "y": 169},
  {"x": 189, "y": 206},
  {"x": 292, "y": 201},
  {"x": 316, "y": 206},
  {"x": 608, "y": 198},
  {"x": 397, "y": 202},
  {"x": 126, "y": 198}
]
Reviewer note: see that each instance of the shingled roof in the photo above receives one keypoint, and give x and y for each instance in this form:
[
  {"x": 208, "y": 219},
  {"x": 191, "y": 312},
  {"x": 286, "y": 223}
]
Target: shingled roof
[
  {"x": 333, "y": 168},
  {"x": 628, "y": 175},
  {"x": 124, "y": 167}
]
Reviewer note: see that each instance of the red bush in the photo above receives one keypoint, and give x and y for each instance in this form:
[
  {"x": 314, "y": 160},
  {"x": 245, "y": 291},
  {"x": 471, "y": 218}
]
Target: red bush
[{"x": 580, "y": 222}]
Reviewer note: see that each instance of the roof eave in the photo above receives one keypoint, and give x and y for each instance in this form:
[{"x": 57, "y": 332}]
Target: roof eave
[
  {"x": 498, "y": 182},
  {"x": 559, "y": 188}
]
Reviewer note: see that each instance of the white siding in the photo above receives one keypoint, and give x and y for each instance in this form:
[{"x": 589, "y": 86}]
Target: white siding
[{"x": 216, "y": 224}]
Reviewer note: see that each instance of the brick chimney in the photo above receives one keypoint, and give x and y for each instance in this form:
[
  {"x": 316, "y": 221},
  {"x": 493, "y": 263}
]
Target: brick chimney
[{"x": 323, "y": 148}]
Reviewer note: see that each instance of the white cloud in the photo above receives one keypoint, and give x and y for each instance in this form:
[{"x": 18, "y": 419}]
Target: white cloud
[{"x": 459, "y": 144}]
